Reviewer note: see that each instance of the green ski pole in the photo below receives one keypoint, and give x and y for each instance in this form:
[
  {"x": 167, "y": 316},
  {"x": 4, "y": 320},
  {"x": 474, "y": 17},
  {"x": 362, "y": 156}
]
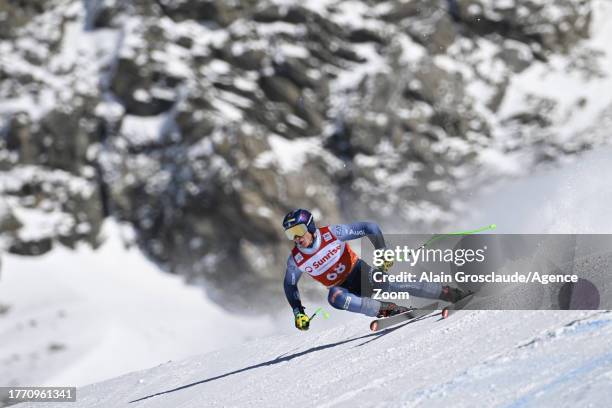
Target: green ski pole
[
  {"x": 319, "y": 310},
  {"x": 439, "y": 236}
]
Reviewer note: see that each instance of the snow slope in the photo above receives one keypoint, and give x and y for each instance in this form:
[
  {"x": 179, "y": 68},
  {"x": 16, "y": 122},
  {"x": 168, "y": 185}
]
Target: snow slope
[
  {"x": 81, "y": 316},
  {"x": 476, "y": 358}
]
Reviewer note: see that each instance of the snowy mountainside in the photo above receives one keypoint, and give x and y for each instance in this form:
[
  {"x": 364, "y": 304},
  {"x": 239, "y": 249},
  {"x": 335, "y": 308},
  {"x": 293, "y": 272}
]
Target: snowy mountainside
[
  {"x": 82, "y": 316},
  {"x": 201, "y": 123}
]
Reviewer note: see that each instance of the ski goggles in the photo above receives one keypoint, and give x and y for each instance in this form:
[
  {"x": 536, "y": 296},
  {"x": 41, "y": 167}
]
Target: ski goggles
[{"x": 296, "y": 231}]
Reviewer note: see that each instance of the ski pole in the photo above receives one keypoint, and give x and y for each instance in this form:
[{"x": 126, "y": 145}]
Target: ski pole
[
  {"x": 323, "y": 312},
  {"x": 438, "y": 236}
]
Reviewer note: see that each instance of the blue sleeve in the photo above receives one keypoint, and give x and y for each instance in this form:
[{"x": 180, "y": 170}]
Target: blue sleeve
[
  {"x": 347, "y": 232},
  {"x": 292, "y": 276}
]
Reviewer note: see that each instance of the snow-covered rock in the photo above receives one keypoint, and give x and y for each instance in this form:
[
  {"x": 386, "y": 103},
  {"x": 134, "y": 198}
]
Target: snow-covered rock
[{"x": 187, "y": 118}]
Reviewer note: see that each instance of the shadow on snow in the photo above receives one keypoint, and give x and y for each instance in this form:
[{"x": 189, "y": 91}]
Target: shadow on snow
[{"x": 282, "y": 358}]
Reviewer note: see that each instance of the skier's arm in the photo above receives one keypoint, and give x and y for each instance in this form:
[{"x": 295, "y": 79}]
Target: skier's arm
[
  {"x": 355, "y": 230},
  {"x": 292, "y": 276}
]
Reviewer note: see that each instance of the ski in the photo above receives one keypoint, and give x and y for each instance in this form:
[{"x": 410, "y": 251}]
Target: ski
[
  {"x": 450, "y": 309},
  {"x": 384, "y": 322}
]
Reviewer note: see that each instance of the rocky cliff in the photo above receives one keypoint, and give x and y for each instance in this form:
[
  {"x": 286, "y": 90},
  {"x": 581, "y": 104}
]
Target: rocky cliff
[{"x": 202, "y": 122}]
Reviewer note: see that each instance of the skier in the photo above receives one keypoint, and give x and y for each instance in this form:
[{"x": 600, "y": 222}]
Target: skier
[{"x": 324, "y": 254}]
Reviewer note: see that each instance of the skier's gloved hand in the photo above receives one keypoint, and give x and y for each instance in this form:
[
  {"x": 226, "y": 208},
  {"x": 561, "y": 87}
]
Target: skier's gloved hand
[
  {"x": 302, "y": 321},
  {"x": 386, "y": 266}
]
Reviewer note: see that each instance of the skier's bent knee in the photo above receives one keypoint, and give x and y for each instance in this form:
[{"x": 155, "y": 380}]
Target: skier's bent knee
[{"x": 337, "y": 297}]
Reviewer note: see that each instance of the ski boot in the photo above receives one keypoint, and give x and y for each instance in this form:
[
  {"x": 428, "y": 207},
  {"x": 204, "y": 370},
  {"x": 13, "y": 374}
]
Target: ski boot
[
  {"x": 453, "y": 295},
  {"x": 388, "y": 309}
]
